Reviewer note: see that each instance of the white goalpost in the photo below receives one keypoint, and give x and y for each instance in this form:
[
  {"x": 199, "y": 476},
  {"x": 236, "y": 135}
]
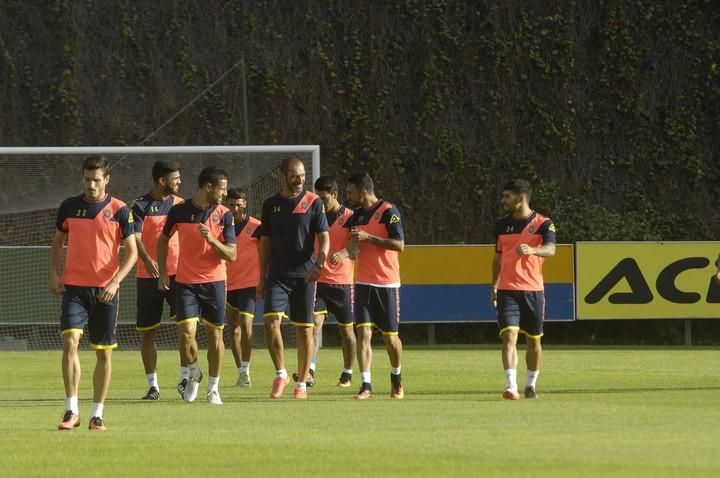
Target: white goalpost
[{"x": 35, "y": 180}]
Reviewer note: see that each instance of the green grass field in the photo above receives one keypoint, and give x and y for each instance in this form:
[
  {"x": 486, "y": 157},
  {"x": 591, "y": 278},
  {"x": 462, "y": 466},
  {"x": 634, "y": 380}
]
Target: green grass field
[{"x": 601, "y": 412}]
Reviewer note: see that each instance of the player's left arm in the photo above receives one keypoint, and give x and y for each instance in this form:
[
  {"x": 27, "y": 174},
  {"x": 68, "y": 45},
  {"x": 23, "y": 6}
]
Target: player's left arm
[
  {"x": 392, "y": 244},
  {"x": 548, "y": 248},
  {"x": 352, "y": 244},
  {"x": 320, "y": 227},
  {"x": 226, "y": 250},
  {"x": 323, "y": 239},
  {"x": 131, "y": 254}
]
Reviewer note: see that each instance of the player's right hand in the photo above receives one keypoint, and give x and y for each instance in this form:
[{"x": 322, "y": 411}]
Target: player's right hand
[
  {"x": 493, "y": 297},
  {"x": 260, "y": 290},
  {"x": 358, "y": 235},
  {"x": 337, "y": 257},
  {"x": 152, "y": 268},
  {"x": 163, "y": 282},
  {"x": 55, "y": 285},
  {"x": 525, "y": 250},
  {"x": 205, "y": 232}
]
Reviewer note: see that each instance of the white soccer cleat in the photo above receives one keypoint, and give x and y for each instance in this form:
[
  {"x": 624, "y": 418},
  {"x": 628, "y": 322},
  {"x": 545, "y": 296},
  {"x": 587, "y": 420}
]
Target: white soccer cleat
[
  {"x": 213, "y": 398},
  {"x": 191, "y": 390},
  {"x": 243, "y": 380}
]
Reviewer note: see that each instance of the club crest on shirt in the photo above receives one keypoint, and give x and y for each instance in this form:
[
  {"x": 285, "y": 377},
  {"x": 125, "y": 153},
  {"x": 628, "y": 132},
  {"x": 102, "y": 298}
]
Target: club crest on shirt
[
  {"x": 342, "y": 222},
  {"x": 304, "y": 205},
  {"x": 107, "y": 213},
  {"x": 215, "y": 218},
  {"x": 376, "y": 216},
  {"x": 248, "y": 230},
  {"x": 531, "y": 229}
]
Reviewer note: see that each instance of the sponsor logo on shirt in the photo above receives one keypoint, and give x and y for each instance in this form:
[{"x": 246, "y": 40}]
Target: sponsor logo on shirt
[{"x": 395, "y": 218}]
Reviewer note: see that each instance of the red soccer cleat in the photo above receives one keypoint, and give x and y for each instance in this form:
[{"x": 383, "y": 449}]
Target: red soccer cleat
[
  {"x": 69, "y": 421},
  {"x": 278, "y": 386}
]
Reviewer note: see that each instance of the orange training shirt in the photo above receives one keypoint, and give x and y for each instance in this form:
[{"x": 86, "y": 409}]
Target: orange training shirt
[
  {"x": 95, "y": 230},
  {"x": 342, "y": 272},
  {"x": 522, "y": 272},
  {"x": 376, "y": 265},
  {"x": 245, "y": 271},
  {"x": 149, "y": 216},
  {"x": 198, "y": 262}
]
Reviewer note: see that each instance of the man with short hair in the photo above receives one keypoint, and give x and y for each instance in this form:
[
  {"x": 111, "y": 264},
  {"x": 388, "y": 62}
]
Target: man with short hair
[
  {"x": 93, "y": 221},
  {"x": 149, "y": 215},
  {"x": 242, "y": 278},
  {"x": 289, "y": 267},
  {"x": 376, "y": 239},
  {"x": 207, "y": 238},
  {"x": 523, "y": 239},
  {"x": 335, "y": 285}
]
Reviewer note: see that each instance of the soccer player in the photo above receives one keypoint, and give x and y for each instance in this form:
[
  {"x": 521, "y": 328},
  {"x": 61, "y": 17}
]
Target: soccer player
[
  {"x": 289, "y": 267},
  {"x": 206, "y": 234},
  {"x": 149, "y": 215},
  {"x": 334, "y": 287},
  {"x": 242, "y": 279},
  {"x": 94, "y": 224},
  {"x": 376, "y": 239},
  {"x": 524, "y": 239}
]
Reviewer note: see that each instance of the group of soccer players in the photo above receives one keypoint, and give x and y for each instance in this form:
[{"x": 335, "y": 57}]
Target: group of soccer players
[{"x": 209, "y": 259}]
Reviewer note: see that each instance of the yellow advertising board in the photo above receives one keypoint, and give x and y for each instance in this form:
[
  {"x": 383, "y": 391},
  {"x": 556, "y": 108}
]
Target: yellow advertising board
[
  {"x": 471, "y": 264},
  {"x": 646, "y": 280}
]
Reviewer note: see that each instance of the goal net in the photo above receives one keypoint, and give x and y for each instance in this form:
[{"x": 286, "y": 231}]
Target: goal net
[{"x": 33, "y": 183}]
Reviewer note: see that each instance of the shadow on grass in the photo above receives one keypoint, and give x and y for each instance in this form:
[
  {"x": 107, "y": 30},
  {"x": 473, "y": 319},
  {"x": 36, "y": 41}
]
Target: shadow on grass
[{"x": 458, "y": 395}]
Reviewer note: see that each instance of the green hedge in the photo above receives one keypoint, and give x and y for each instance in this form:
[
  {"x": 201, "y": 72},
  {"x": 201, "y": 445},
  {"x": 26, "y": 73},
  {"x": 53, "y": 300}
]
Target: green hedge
[{"x": 610, "y": 108}]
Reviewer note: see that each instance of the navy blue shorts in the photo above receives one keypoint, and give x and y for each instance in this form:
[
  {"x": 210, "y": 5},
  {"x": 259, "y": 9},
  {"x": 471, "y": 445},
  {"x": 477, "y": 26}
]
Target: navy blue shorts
[
  {"x": 378, "y": 307},
  {"x": 150, "y": 301},
  {"x": 294, "y": 293},
  {"x": 196, "y": 301},
  {"x": 522, "y": 310},
  {"x": 242, "y": 301},
  {"x": 80, "y": 305},
  {"x": 336, "y": 299}
]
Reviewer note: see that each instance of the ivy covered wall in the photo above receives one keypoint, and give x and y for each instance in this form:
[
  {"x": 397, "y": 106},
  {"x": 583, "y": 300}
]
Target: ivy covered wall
[{"x": 611, "y": 107}]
